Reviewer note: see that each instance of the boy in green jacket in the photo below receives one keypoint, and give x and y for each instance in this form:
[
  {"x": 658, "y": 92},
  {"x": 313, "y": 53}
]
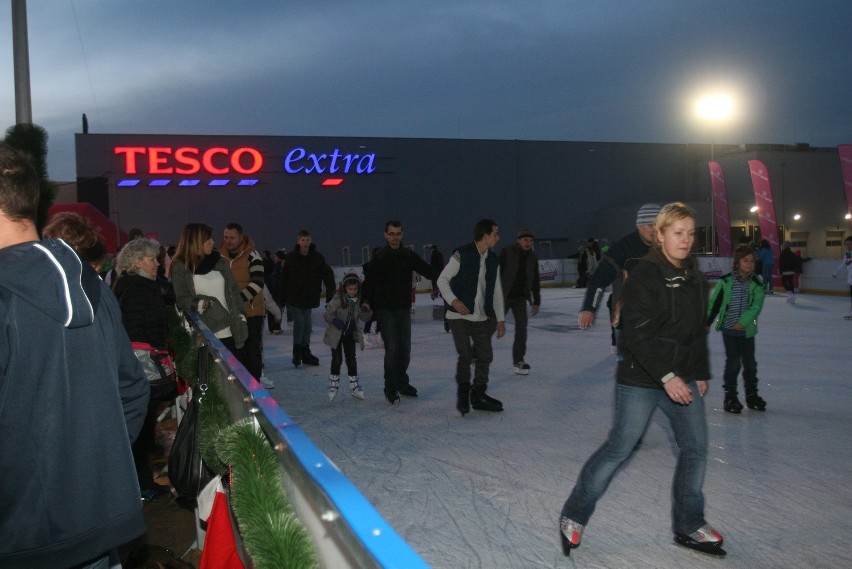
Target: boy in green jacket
[{"x": 737, "y": 300}]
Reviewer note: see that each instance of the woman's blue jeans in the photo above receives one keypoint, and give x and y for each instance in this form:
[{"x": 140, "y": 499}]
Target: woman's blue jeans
[{"x": 633, "y": 409}]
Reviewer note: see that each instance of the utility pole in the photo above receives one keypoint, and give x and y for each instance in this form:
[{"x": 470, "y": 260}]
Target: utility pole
[{"x": 21, "y": 56}]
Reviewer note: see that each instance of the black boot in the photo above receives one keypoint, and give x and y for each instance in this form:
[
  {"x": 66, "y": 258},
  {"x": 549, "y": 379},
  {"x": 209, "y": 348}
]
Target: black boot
[
  {"x": 755, "y": 402},
  {"x": 308, "y": 358},
  {"x": 463, "y": 398},
  {"x": 297, "y": 355},
  {"x": 732, "y": 403},
  {"x": 481, "y": 402}
]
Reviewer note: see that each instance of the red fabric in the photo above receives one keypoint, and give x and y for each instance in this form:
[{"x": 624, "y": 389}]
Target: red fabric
[{"x": 220, "y": 549}]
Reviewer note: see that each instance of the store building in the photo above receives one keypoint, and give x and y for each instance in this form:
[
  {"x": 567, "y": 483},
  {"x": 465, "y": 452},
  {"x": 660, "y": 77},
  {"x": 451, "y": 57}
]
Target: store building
[{"x": 343, "y": 189}]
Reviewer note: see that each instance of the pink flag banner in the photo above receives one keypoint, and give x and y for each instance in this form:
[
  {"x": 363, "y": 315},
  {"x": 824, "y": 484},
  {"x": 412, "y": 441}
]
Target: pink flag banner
[
  {"x": 721, "y": 211},
  {"x": 765, "y": 210},
  {"x": 845, "y": 151}
]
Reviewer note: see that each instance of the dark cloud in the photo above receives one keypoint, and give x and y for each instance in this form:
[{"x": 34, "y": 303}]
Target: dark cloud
[{"x": 474, "y": 69}]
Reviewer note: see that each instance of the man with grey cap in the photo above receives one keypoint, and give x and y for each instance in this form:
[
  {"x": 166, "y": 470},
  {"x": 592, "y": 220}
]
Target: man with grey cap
[
  {"x": 521, "y": 285},
  {"x": 609, "y": 270}
]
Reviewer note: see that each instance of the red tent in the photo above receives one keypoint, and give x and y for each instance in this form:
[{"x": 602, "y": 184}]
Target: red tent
[{"x": 111, "y": 234}]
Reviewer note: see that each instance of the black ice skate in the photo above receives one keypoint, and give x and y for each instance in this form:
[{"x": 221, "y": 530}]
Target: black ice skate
[
  {"x": 732, "y": 404},
  {"x": 755, "y": 402}
]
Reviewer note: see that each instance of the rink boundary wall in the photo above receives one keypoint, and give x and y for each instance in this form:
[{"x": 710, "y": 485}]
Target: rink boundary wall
[{"x": 345, "y": 527}]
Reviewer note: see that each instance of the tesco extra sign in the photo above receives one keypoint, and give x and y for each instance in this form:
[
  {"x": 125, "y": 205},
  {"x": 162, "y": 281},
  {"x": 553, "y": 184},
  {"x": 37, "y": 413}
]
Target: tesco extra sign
[{"x": 220, "y": 161}]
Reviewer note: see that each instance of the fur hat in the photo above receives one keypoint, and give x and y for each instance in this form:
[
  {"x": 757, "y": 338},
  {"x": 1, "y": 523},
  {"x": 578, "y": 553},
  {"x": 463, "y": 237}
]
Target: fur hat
[
  {"x": 525, "y": 233},
  {"x": 647, "y": 214}
]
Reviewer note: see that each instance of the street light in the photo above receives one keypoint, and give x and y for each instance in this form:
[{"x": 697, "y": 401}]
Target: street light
[{"x": 715, "y": 109}]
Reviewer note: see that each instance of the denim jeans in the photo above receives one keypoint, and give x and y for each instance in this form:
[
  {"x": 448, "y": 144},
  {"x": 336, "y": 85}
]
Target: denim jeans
[
  {"x": 518, "y": 306},
  {"x": 633, "y": 409},
  {"x": 109, "y": 560},
  {"x": 302, "y": 327},
  {"x": 395, "y": 326},
  {"x": 739, "y": 349}
]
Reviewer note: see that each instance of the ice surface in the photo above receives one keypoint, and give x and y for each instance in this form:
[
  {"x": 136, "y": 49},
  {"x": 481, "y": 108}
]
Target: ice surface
[{"x": 485, "y": 491}]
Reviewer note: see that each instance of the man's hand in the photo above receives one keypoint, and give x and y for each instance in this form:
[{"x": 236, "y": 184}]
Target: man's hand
[
  {"x": 459, "y": 307},
  {"x": 534, "y": 309},
  {"x": 501, "y": 329},
  {"x": 585, "y": 319}
]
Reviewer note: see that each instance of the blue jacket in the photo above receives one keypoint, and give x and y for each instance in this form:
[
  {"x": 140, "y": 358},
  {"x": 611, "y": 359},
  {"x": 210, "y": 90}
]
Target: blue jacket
[{"x": 72, "y": 398}]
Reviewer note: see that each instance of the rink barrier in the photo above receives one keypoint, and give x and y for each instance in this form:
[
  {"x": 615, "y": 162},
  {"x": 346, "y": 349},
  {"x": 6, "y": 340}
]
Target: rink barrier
[{"x": 345, "y": 527}]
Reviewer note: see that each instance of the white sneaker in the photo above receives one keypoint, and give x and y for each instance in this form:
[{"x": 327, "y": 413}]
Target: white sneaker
[
  {"x": 333, "y": 386},
  {"x": 355, "y": 387},
  {"x": 522, "y": 368},
  {"x": 266, "y": 382},
  {"x": 379, "y": 342}
]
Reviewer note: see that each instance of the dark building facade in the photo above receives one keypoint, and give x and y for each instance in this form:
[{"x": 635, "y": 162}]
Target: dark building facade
[{"x": 343, "y": 189}]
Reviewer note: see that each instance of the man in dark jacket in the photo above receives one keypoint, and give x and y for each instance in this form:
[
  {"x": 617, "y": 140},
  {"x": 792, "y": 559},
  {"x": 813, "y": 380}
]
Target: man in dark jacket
[
  {"x": 305, "y": 272},
  {"x": 387, "y": 291},
  {"x": 73, "y": 397},
  {"x": 471, "y": 287},
  {"x": 521, "y": 285},
  {"x": 610, "y": 270}
]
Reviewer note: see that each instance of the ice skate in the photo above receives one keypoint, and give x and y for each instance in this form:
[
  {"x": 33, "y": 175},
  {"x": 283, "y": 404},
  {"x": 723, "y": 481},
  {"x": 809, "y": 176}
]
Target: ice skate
[
  {"x": 368, "y": 345},
  {"x": 392, "y": 396},
  {"x": 408, "y": 390},
  {"x": 704, "y": 540},
  {"x": 308, "y": 358},
  {"x": 522, "y": 368},
  {"x": 297, "y": 355},
  {"x": 482, "y": 402},
  {"x": 570, "y": 533},
  {"x": 333, "y": 386},
  {"x": 732, "y": 404},
  {"x": 463, "y": 399},
  {"x": 266, "y": 382},
  {"x": 380, "y": 343},
  {"x": 755, "y": 402},
  {"x": 355, "y": 387}
]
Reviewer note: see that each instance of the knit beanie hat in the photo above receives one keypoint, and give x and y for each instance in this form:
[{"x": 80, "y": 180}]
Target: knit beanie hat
[
  {"x": 647, "y": 214},
  {"x": 525, "y": 233}
]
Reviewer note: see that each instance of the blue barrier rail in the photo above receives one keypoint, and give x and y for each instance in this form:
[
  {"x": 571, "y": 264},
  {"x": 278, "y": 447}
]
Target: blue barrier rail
[{"x": 346, "y": 528}]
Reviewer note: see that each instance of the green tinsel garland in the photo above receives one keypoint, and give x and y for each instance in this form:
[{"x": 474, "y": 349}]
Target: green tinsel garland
[
  {"x": 182, "y": 342},
  {"x": 270, "y": 530}
]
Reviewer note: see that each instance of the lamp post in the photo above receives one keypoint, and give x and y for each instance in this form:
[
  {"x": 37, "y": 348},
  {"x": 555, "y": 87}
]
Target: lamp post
[{"x": 715, "y": 109}]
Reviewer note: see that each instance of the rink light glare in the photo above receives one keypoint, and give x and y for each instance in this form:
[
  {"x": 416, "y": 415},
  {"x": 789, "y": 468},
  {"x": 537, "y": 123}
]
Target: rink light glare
[
  {"x": 718, "y": 107},
  {"x": 797, "y": 217},
  {"x": 847, "y": 216},
  {"x": 753, "y": 208}
]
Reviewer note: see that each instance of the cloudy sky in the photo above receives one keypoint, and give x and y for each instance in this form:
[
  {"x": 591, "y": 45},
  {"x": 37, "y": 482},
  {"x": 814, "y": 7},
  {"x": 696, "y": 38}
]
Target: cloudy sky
[{"x": 593, "y": 70}]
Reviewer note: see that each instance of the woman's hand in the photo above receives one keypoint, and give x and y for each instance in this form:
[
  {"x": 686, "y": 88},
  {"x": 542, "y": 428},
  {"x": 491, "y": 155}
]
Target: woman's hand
[
  {"x": 702, "y": 387},
  {"x": 678, "y": 391}
]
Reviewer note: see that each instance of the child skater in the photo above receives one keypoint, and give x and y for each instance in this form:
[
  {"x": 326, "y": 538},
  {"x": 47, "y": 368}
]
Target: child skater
[
  {"x": 342, "y": 332},
  {"x": 738, "y": 299}
]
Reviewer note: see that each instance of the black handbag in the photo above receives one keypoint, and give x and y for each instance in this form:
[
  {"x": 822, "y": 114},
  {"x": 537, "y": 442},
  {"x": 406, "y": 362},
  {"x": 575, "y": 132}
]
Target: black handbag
[{"x": 186, "y": 471}]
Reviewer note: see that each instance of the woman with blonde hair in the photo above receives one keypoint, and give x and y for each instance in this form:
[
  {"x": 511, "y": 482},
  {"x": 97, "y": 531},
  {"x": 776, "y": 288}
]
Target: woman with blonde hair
[
  {"x": 665, "y": 366},
  {"x": 143, "y": 313},
  {"x": 204, "y": 282}
]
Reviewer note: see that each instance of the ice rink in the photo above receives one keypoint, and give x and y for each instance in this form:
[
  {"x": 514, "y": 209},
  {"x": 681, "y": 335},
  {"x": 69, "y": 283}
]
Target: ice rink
[{"x": 485, "y": 491}]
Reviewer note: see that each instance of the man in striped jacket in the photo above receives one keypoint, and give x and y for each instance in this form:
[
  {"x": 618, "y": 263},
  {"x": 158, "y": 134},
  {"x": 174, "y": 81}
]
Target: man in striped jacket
[{"x": 247, "y": 266}]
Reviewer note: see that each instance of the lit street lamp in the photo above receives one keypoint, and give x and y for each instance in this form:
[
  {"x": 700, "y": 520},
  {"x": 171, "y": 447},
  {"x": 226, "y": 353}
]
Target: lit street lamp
[{"x": 715, "y": 109}]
